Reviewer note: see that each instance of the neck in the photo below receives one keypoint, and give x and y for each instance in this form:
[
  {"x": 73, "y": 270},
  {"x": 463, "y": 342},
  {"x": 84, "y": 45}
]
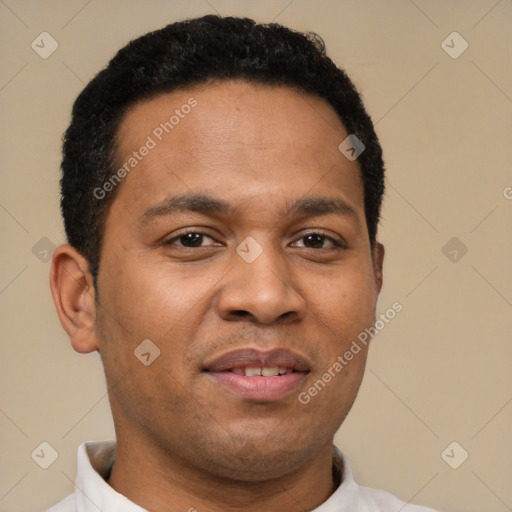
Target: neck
[{"x": 157, "y": 481}]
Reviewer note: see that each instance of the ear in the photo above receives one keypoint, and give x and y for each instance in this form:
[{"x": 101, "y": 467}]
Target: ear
[
  {"x": 378, "y": 262},
  {"x": 74, "y": 296}
]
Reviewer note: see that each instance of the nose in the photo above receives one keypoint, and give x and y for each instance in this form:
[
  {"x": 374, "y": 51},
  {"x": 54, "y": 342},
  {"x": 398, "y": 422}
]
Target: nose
[{"x": 263, "y": 291}]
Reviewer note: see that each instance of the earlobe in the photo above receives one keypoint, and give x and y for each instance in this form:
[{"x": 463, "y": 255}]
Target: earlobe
[
  {"x": 74, "y": 296},
  {"x": 378, "y": 262}
]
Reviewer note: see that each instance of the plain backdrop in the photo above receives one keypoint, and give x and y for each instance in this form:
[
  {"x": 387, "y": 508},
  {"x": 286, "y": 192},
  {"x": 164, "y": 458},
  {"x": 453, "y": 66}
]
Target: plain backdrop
[{"x": 439, "y": 373}]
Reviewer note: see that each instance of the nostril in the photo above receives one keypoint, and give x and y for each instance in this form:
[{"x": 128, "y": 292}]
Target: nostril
[{"x": 241, "y": 312}]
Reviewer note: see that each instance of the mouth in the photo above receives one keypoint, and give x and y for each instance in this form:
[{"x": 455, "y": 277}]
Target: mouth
[{"x": 259, "y": 376}]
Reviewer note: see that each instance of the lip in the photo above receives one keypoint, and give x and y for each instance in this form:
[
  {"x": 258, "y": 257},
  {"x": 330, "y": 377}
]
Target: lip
[{"x": 259, "y": 388}]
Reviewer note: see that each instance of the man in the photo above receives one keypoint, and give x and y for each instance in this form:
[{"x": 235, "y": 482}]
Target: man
[{"x": 221, "y": 193}]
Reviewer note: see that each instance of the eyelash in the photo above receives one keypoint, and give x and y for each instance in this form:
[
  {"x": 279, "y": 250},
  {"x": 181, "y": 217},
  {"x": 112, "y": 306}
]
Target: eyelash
[{"x": 335, "y": 243}]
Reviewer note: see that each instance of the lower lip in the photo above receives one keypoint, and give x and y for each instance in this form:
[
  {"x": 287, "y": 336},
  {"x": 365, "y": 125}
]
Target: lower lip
[{"x": 261, "y": 389}]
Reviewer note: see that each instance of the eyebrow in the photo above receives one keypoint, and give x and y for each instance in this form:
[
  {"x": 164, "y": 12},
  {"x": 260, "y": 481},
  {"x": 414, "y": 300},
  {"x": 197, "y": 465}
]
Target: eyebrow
[
  {"x": 206, "y": 204},
  {"x": 317, "y": 206},
  {"x": 201, "y": 203}
]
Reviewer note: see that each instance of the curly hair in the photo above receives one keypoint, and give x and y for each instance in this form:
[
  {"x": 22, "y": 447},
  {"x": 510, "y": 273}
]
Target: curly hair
[{"x": 184, "y": 54}]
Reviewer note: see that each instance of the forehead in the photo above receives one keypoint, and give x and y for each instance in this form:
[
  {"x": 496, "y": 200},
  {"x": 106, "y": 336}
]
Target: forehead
[{"x": 241, "y": 138}]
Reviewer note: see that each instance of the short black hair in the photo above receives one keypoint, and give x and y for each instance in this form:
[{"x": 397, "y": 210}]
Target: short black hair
[{"x": 184, "y": 54}]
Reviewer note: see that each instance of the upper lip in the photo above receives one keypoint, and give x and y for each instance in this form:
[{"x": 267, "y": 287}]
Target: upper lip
[{"x": 244, "y": 358}]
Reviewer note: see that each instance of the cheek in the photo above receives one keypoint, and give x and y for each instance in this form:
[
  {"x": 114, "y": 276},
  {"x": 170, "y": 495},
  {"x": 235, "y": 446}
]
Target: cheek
[
  {"x": 157, "y": 301},
  {"x": 345, "y": 300}
]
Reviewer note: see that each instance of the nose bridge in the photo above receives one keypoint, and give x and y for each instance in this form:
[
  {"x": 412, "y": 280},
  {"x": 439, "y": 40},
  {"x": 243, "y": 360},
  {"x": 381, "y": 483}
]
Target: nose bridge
[
  {"x": 268, "y": 269},
  {"x": 260, "y": 285},
  {"x": 262, "y": 269}
]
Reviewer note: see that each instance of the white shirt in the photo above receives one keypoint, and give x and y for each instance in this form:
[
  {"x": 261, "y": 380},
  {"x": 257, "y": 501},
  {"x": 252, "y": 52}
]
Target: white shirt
[{"x": 92, "y": 492}]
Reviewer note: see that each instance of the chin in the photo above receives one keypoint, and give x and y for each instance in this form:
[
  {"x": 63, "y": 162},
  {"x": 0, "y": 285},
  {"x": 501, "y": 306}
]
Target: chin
[{"x": 244, "y": 458}]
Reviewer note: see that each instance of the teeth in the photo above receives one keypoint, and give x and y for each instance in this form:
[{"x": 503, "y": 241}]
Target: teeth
[
  {"x": 267, "y": 371},
  {"x": 270, "y": 372}
]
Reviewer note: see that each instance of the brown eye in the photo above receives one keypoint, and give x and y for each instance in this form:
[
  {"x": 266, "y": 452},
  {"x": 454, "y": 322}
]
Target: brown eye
[
  {"x": 190, "y": 240},
  {"x": 316, "y": 241}
]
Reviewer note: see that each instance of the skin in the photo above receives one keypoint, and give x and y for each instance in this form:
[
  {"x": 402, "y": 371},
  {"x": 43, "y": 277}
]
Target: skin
[{"x": 183, "y": 441}]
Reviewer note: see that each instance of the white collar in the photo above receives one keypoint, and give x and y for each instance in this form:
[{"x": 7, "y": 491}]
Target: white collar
[{"x": 95, "y": 460}]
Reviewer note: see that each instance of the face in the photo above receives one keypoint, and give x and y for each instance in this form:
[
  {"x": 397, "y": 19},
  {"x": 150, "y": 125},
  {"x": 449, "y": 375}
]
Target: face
[{"x": 238, "y": 245}]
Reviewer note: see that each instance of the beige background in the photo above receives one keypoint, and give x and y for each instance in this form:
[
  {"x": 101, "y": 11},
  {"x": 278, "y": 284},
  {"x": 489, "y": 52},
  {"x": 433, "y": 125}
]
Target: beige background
[{"x": 440, "y": 372}]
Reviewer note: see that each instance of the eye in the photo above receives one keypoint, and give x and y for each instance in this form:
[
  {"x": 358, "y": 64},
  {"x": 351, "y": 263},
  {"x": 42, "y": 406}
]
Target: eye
[
  {"x": 191, "y": 239},
  {"x": 316, "y": 241}
]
